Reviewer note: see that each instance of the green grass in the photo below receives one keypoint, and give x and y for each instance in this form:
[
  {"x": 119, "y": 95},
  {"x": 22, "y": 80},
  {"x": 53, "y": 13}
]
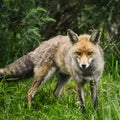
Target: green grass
[{"x": 13, "y": 101}]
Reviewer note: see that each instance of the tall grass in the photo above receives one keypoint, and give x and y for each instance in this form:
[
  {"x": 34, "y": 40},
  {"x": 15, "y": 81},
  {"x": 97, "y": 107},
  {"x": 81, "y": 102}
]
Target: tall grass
[{"x": 13, "y": 101}]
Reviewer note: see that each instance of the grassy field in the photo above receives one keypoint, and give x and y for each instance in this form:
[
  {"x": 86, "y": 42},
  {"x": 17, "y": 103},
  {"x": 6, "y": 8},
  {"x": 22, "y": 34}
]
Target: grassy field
[{"x": 13, "y": 101}]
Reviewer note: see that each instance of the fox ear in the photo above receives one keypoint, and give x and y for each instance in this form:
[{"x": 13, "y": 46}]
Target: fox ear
[
  {"x": 72, "y": 35},
  {"x": 95, "y": 37}
]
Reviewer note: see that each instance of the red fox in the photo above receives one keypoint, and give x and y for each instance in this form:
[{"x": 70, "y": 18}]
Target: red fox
[{"x": 79, "y": 57}]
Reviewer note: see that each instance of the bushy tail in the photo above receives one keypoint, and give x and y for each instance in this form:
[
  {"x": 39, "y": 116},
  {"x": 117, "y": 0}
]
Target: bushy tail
[{"x": 19, "y": 68}]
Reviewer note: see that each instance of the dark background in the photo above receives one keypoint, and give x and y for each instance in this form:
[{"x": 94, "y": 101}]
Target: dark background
[{"x": 26, "y": 23}]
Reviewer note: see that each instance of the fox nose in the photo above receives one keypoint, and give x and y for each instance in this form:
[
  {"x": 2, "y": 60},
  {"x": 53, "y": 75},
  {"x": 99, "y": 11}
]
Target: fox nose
[{"x": 84, "y": 66}]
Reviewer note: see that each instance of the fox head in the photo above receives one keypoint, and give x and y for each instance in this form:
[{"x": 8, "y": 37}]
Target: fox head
[{"x": 84, "y": 47}]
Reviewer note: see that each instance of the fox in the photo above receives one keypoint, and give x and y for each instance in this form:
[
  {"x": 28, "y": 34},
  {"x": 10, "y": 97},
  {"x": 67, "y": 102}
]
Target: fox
[{"x": 73, "y": 56}]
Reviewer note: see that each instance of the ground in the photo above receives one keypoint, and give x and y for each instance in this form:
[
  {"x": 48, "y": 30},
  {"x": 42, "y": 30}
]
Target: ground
[{"x": 13, "y": 101}]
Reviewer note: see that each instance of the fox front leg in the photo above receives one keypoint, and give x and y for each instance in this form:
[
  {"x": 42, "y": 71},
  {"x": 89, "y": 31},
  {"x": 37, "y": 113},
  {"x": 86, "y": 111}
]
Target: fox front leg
[
  {"x": 94, "y": 93},
  {"x": 63, "y": 79},
  {"x": 80, "y": 91}
]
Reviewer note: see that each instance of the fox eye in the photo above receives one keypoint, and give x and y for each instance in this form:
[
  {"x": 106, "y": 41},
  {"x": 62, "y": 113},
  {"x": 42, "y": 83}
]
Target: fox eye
[
  {"x": 90, "y": 53},
  {"x": 78, "y": 53}
]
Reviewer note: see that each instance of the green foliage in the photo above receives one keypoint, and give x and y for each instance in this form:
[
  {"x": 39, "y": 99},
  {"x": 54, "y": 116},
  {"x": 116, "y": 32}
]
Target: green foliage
[
  {"x": 25, "y": 23},
  {"x": 33, "y": 24},
  {"x": 21, "y": 26}
]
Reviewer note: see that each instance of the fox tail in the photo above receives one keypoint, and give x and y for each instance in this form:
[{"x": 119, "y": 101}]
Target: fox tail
[{"x": 19, "y": 68}]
